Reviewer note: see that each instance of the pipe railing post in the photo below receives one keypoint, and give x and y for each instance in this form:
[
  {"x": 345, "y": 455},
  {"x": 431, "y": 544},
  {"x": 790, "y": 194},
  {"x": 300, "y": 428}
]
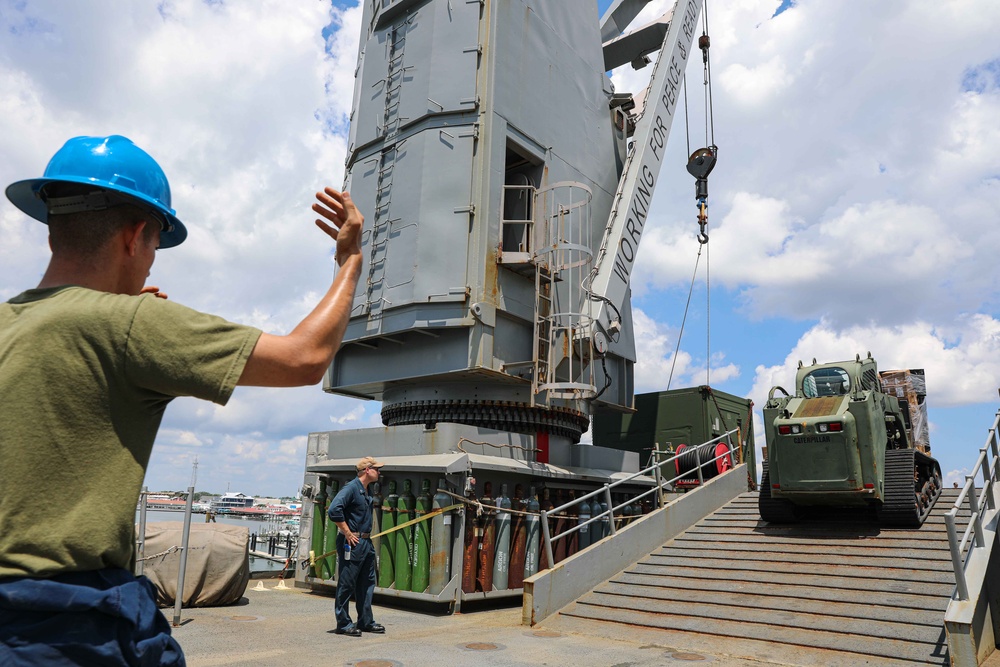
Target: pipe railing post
[
  {"x": 546, "y": 539},
  {"x": 611, "y": 509},
  {"x": 697, "y": 458},
  {"x": 956, "y": 557},
  {"x": 977, "y": 521},
  {"x": 659, "y": 480},
  {"x": 140, "y": 547},
  {"x": 993, "y": 439},
  {"x": 184, "y": 556},
  {"x": 988, "y": 483}
]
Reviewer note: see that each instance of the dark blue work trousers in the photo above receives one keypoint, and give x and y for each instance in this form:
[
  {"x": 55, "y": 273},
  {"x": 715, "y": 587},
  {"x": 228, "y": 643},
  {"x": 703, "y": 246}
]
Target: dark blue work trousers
[
  {"x": 355, "y": 577},
  {"x": 104, "y": 617}
]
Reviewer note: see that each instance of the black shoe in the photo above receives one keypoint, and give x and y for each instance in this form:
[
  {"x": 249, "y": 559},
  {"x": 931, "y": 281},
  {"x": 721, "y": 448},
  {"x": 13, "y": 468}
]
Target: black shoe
[
  {"x": 350, "y": 631},
  {"x": 377, "y": 628}
]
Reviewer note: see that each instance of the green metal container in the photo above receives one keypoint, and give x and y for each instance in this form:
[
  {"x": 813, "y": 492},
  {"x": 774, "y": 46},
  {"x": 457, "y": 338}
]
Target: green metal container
[{"x": 667, "y": 419}]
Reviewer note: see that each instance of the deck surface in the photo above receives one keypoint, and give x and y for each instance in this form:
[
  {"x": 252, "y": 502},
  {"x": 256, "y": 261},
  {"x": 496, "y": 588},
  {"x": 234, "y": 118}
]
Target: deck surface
[{"x": 292, "y": 626}]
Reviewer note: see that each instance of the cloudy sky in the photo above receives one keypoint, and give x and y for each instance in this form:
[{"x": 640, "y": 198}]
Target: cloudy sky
[{"x": 855, "y": 206}]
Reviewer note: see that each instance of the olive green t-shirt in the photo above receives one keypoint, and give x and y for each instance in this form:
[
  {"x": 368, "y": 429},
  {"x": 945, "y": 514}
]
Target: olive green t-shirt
[{"x": 84, "y": 379}]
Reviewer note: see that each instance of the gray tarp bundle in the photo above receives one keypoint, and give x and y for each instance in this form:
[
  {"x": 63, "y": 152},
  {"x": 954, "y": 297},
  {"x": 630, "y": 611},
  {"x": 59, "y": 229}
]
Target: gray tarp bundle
[{"x": 218, "y": 563}]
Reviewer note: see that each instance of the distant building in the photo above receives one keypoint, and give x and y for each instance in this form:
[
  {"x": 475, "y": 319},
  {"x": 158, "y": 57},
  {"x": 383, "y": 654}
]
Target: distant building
[{"x": 232, "y": 501}]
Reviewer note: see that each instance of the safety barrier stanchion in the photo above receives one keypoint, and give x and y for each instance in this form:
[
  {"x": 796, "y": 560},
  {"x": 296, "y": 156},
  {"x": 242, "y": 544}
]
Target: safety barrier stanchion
[
  {"x": 184, "y": 552},
  {"x": 611, "y": 508}
]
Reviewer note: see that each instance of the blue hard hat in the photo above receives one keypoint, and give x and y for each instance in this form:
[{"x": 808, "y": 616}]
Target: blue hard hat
[{"x": 115, "y": 165}]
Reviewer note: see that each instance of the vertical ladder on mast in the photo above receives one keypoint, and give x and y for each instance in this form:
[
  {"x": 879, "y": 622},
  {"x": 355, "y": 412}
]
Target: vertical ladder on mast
[
  {"x": 544, "y": 289},
  {"x": 389, "y": 129}
]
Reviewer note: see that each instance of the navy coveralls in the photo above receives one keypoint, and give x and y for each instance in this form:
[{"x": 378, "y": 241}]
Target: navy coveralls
[{"x": 353, "y": 505}]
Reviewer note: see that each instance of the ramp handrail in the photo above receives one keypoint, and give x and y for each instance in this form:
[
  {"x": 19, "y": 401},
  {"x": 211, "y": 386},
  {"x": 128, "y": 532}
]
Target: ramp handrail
[
  {"x": 989, "y": 467},
  {"x": 606, "y": 492}
]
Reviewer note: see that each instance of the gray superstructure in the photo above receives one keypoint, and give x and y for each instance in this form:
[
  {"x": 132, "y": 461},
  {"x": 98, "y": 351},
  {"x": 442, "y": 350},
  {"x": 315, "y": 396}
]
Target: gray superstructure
[
  {"x": 502, "y": 180},
  {"x": 452, "y": 319}
]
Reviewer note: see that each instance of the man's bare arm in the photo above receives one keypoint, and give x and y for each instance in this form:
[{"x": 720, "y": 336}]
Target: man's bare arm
[{"x": 302, "y": 357}]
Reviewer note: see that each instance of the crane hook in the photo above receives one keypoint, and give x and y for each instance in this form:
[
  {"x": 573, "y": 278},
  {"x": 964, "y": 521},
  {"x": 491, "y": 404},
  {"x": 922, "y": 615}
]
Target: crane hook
[
  {"x": 700, "y": 165},
  {"x": 702, "y": 222}
]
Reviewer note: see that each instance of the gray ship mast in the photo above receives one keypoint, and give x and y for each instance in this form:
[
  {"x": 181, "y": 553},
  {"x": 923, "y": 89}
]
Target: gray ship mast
[{"x": 505, "y": 204}]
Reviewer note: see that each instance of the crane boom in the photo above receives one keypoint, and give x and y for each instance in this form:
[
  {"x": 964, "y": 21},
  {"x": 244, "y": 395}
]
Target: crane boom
[{"x": 613, "y": 268}]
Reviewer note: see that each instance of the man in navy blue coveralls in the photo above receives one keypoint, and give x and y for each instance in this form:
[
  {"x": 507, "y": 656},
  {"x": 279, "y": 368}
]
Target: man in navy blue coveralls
[{"x": 351, "y": 510}]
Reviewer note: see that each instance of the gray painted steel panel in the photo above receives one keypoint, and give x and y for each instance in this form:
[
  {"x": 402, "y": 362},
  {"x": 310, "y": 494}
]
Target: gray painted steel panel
[
  {"x": 424, "y": 356},
  {"x": 422, "y": 253},
  {"x": 442, "y": 53}
]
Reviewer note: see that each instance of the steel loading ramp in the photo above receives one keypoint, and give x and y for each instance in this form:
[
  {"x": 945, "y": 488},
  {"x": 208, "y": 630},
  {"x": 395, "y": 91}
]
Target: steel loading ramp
[{"x": 830, "y": 594}]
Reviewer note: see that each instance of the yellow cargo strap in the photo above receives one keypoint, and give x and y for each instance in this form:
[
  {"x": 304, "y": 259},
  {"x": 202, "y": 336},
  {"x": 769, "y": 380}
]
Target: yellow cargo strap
[{"x": 429, "y": 515}]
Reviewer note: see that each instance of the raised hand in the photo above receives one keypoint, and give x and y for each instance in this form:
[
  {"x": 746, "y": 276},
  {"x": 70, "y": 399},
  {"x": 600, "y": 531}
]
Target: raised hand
[
  {"x": 338, "y": 208},
  {"x": 153, "y": 289}
]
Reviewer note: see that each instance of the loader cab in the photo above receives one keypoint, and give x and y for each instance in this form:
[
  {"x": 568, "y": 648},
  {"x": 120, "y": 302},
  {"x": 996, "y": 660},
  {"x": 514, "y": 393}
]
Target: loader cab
[
  {"x": 830, "y": 381},
  {"x": 838, "y": 379}
]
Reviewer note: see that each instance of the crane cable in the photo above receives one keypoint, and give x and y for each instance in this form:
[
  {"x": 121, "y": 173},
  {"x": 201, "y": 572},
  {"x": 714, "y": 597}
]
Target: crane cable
[
  {"x": 700, "y": 165},
  {"x": 680, "y": 334}
]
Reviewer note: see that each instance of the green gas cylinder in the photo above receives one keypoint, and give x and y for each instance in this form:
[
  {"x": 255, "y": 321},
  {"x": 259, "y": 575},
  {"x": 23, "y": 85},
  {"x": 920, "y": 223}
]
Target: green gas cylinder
[
  {"x": 501, "y": 563},
  {"x": 386, "y": 563},
  {"x": 422, "y": 541},
  {"x": 533, "y": 534},
  {"x": 318, "y": 519},
  {"x": 330, "y": 532},
  {"x": 376, "y": 489},
  {"x": 440, "y": 553},
  {"x": 404, "y": 539}
]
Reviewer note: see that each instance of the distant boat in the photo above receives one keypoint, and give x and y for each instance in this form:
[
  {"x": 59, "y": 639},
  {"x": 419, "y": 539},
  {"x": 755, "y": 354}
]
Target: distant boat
[{"x": 165, "y": 503}]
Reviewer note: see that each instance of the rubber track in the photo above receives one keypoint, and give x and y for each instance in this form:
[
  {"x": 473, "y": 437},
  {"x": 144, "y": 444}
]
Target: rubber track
[
  {"x": 899, "y": 504},
  {"x": 773, "y": 510}
]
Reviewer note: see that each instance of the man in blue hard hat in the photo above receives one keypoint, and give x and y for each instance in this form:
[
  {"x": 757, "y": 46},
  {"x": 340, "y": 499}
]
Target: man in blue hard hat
[{"x": 88, "y": 363}]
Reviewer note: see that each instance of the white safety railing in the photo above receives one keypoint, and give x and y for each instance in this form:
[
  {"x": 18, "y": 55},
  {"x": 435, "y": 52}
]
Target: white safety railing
[
  {"x": 988, "y": 465},
  {"x": 654, "y": 470}
]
